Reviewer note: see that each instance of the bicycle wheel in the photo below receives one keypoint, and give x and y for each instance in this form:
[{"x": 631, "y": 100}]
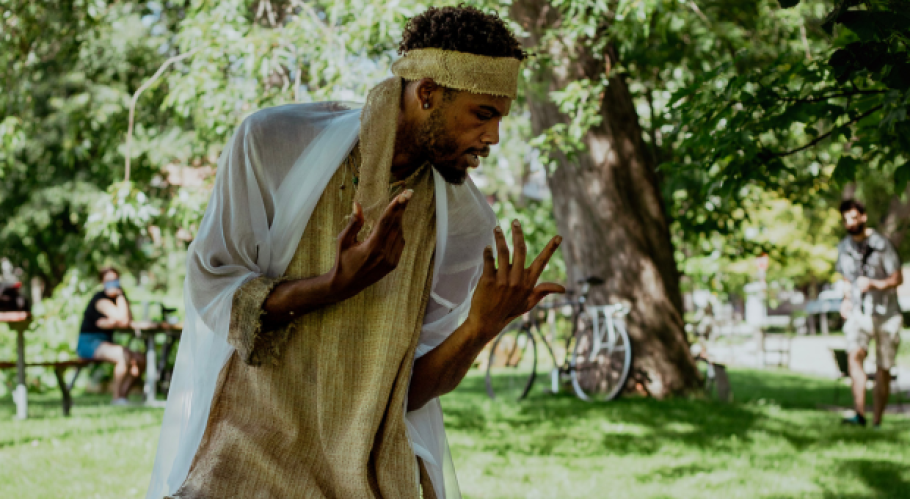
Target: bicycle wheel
[
  {"x": 512, "y": 365},
  {"x": 601, "y": 374}
]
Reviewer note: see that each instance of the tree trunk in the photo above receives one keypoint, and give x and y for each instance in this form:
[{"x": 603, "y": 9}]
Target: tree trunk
[
  {"x": 895, "y": 223},
  {"x": 609, "y": 209}
]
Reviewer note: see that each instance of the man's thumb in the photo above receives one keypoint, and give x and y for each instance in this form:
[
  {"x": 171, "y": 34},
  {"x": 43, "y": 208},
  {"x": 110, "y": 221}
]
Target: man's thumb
[
  {"x": 541, "y": 291},
  {"x": 348, "y": 236}
]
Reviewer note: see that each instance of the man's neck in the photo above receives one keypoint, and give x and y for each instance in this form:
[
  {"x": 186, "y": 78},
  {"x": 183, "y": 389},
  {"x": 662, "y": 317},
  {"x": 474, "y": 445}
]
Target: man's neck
[
  {"x": 405, "y": 159},
  {"x": 862, "y": 236},
  {"x": 404, "y": 164}
]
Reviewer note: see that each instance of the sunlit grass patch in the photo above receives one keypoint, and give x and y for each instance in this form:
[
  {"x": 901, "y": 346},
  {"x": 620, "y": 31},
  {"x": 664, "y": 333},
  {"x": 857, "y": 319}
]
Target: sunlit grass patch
[{"x": 773, "y": 442}]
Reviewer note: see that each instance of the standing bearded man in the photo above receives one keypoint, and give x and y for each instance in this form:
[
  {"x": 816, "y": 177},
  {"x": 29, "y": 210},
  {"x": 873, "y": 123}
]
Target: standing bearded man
[
  {"x": 319, "y": 337},
  {"x": 872, "y": 272}
]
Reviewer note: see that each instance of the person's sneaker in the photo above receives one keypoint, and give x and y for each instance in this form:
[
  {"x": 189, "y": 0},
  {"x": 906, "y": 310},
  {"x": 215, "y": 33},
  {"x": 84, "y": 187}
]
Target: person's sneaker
[
  {"x": 856, "y": 420},
  {"x": 120, "y": 402}
]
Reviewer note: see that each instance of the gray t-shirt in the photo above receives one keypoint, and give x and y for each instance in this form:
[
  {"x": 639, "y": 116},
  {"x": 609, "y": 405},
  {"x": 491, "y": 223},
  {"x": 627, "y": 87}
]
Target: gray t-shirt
[{"x": 875, "y": 258}]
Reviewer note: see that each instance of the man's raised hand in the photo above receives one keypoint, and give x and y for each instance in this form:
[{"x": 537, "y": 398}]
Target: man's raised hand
[
  {"x": 361, "y": 264},
  {"x": 508, "y": 289}
]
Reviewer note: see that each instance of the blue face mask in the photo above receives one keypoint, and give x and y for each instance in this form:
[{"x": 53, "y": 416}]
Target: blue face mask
[{"x": 109, "y": 285}]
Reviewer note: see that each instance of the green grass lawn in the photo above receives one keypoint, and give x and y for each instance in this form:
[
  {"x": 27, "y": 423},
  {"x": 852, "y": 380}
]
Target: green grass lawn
[{"x": 772, "y": 442}]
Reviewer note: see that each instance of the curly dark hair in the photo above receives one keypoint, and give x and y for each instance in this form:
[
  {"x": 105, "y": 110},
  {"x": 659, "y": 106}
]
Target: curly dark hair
[
  {"x": 462, "y": 29},
  {"x": 852, "y": 204}
]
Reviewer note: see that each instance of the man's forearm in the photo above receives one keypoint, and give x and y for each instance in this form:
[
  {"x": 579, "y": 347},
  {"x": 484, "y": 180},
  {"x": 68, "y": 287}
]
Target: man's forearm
[
  {"x": 292, "y": 299},
  {"x": 442, "y": 369},
  {"x": 891, "y": 282}
]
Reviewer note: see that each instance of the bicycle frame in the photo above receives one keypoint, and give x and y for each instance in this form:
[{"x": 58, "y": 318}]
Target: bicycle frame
[
  {"x": 605, "y": 333},
  {"x": 594, "y": 323},
  {"x": 600, "y": 341}
]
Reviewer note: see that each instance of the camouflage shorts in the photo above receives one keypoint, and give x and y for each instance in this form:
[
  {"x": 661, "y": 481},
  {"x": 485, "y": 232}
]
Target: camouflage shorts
[{"x": 885, "y": 330}]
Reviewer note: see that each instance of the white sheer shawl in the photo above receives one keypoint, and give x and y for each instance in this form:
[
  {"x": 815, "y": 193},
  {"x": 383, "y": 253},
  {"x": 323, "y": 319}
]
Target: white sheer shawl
[{"x": 270, "y": 177}]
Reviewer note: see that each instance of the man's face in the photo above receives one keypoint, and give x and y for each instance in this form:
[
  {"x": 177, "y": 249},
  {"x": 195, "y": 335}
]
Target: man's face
[
  {"x": 460, "y": 131},
  {"x": 854, "y": 222}
]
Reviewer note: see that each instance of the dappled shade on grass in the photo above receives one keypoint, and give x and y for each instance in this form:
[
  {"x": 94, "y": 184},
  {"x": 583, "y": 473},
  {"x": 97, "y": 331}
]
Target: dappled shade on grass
[{"x": 773, "y": 442}]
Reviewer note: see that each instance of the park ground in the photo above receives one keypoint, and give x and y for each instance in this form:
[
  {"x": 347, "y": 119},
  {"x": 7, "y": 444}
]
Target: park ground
[{"x": 776, "y": 440}]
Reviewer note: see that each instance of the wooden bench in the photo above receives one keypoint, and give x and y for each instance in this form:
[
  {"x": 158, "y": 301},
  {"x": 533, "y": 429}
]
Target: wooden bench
[{"x": 60, "y": 368}]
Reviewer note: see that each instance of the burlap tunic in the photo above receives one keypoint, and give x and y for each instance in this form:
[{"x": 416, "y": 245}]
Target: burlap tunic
[{"x": 316, "y": 409}]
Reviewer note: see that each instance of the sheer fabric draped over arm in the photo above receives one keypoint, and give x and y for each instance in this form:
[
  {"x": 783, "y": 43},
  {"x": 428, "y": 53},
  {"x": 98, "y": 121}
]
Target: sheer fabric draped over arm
[{"x": 270, "y": 177}]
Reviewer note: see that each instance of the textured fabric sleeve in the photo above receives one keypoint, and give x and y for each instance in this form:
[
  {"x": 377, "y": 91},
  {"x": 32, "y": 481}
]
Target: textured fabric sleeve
[
  {"x": 891, "y": 261},
  {"x": 839, "y": 264},
  {"x": 255, "y": 344}
]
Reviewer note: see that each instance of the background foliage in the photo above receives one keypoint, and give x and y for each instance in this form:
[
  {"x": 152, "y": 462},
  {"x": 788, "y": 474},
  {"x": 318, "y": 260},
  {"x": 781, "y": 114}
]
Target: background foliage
[{"x": 758, "y": 115}]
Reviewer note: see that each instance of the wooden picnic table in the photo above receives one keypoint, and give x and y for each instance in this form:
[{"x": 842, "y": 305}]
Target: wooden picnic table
[
  {"x": 148, "y": 331},
  {"x": 145, "y": 330},
  {"x": 19, "y": 322}
]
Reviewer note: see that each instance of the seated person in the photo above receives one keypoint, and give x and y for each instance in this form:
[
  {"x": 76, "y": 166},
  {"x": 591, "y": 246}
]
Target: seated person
[{"x": 108, "y": 310}]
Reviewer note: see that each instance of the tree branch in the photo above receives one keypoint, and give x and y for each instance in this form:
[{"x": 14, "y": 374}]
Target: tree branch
[
  {"x": 143, "y": 88},
  {"x": 701, "y": 14},
  {"x": 828, "y": 134},
  {"x": 832, "y": 96}
]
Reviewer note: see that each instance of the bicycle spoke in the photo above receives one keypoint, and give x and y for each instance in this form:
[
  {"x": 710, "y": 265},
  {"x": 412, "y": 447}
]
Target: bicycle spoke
[
  {"x": 512, "y": 365},
  {"x": 601, "y": 373}
]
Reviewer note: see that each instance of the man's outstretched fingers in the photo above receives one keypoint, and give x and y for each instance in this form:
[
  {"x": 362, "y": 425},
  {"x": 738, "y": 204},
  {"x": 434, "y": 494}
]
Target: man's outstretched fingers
[
  {"x": 502, "y": 255},
  {"x": 348, "y": 236},
  {"x": 393, "y": 212},
  {"x": 519, "y": 252},
  {"x": 542, "y": 290},
  {"x": 489, "y": 262},
  {"x": 543, "y": 258}
]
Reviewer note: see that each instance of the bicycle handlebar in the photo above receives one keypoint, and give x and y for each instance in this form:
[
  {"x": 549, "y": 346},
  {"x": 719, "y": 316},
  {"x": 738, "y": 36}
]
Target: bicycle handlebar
[
  {"x": 615, "y": 308},
  {"x": 612, "y": 309}
]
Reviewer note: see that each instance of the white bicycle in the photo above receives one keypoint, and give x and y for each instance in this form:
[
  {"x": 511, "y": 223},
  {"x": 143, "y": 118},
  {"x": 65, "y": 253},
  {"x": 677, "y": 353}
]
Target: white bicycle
[{"x": 601, "y": 351}]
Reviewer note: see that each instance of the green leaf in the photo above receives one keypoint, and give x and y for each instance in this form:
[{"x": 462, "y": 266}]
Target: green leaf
[
  {"x": 899, "y": 77},
  {"x": 845, "y": 171},
  {"x": 868, "y": 25},
  {"x": 901, "y": 177},
  {"x": 842, "y": 131}
]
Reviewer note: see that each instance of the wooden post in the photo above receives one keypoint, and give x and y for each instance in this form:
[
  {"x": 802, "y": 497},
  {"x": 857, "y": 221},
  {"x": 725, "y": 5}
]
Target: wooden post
[
  {"x": 151, "y": 369},
  {"x": 64, "y": 389},
  {"x": 21, "y": 393}
]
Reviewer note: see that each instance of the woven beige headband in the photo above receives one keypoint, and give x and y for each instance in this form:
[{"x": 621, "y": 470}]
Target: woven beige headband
[{"x": 474, "y": 73}]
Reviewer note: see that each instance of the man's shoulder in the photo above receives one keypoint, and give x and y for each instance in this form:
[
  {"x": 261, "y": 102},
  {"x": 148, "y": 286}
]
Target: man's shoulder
[
  {"x": 845, "y": 243},
  {"x": 298, "y": 123},
  {"x": 307, "y": 114},
  {"x": 878, "y": 241}
]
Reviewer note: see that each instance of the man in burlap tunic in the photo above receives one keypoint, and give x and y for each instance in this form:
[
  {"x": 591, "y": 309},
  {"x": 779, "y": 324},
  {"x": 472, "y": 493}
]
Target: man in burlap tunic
[
  {"x": 329, "y": 356},
  {"x": 264, "y": 438}
]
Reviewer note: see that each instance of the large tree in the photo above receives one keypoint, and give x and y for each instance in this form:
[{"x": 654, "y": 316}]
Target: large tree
[{"x": 606, "y": 196}]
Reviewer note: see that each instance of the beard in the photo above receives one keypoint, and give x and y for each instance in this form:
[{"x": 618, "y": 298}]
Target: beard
[
  {"x": 435, "y": 143},
  {"x": 859, "y": 229}
]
